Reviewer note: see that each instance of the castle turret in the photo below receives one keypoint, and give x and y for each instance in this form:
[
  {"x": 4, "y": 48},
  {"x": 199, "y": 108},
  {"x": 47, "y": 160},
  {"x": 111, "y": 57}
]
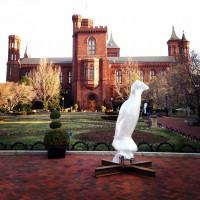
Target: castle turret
[
  {"x": 112, "y": 49},
  {"x": 173, "y": 44},
  {"x": 13, "y": 64},
  {"x": 184, "y": 46}
]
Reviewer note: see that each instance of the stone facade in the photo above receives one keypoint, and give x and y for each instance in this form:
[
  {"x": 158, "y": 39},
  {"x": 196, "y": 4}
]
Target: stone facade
[{"x": 87, "y": 78}]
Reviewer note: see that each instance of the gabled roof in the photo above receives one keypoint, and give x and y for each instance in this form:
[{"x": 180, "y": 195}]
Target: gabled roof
[
  {"x": 174, "y": 36},
  {"x": 111, "y": 43},
  {"x": 142, "y": 59},
  {"x": 36, "y": 61},
  {"x": 68, "y": 60}
]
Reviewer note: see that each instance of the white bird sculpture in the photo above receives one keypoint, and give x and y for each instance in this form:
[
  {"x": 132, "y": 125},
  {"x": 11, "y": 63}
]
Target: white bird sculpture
[{"x": 126, "y": 122}]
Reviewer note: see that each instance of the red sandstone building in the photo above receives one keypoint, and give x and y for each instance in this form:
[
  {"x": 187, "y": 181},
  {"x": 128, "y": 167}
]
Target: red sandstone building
[{"x": 88, "y": 76}]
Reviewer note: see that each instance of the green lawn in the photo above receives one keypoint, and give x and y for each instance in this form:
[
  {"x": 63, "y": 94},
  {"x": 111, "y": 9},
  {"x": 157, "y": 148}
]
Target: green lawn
[{"x": 31, "y": 128}]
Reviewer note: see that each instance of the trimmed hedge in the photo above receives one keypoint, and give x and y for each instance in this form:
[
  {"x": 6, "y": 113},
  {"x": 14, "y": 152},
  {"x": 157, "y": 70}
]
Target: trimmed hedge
[{"x": 57, "y": 137}]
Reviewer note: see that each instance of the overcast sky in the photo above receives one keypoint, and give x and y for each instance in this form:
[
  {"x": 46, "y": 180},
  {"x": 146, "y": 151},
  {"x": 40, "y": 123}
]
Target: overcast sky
[{"x": 139, "y": 27}]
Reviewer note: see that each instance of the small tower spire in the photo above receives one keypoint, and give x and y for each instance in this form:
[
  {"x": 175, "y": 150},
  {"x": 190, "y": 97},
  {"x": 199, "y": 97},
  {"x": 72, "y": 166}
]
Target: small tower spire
[
  {"x": 174, "y": 36},
  {"x": 112, "y": 49},
  {"x": 111, "y": 43},
  {"x": 183, "y": 37},
  {"x": 27, "y": 53}
]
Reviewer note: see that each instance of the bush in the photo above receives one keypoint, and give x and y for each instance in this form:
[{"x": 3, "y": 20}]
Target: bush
[
  {"x": 57, "y": 137},
  {"x": 55, "y": 114},
  {"x": 3, "y": 110},
  {"x": 103, "y": 108},
  {"x": 55, "y": 124}
]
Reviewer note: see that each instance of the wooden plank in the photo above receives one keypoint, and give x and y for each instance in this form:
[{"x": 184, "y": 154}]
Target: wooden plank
[
  {"x": 139, "y": 163},
  {"x": 140, "y": 170},
  {"x": 107, "y": 170},
  {"x": 142, "y": 163}
]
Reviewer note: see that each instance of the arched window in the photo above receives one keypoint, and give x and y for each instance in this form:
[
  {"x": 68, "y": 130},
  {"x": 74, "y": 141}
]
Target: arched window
[
  {"x": 141, "y": 74},
  {"x": 118, "y": 76},
  {"x": 163, "y": 73},
  {"x": 91, "y": 72},
  {"x": 61, "y": 77},
  {"x": 92, "y": 46},
  {"x": 69, "y": 77},
  {"x": 86, "y": 73},
  {"x": 152, "y": 75},
  {"x": 128, "y": 75}
]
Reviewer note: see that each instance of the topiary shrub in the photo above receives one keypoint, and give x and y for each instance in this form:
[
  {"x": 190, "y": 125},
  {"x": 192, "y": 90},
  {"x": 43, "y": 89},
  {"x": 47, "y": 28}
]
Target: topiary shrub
[
  {"x": 57, "y": 137},
  {"x": 55, "y": 114},
  {"x": 55, "y": 124}
]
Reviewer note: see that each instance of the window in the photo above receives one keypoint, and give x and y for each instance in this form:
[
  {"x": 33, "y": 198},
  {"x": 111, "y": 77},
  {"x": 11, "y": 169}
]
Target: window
[
  {"x": 69, "y": 77},
  {"x": 12, "y": 57},
  {"x": 92, "y": 46},
  {"x": 118, "y": 76},
  {"x": 86, "y": 73},
  {"x": 152, "y": 75},
  {"x": 27, "y": 74},
  {"x": 10, "y": 71},
  {"x": 15, "y": 57},
  {"x": 61, "y": 77},
  {"x": 128, "y": 75},
  {"x": 163, "y": 73},
  {"x": 91, "y": 72},
  {"x": 141, "y": 74}
]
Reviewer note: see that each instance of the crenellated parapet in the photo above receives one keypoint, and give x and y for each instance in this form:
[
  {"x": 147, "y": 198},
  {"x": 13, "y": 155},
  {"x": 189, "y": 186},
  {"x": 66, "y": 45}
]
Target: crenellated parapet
[{"x": 96, "y": 29}]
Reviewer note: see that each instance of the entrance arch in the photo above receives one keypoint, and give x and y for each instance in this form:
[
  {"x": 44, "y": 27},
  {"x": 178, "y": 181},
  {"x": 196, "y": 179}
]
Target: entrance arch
[{"x": 92, "y": 102}]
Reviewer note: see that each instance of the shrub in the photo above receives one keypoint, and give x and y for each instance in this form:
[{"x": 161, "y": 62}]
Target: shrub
[
  {"x": 57, "y": 137},
  {"x": 55, "y": 124},
  {"x": 55, "y": 114},
  {"x": 103, "y": 108},
  {"x": 76, "y": 106}
]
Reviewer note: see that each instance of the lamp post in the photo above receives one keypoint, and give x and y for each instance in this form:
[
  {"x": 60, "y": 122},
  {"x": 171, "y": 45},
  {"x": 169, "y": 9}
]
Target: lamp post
[
  {"x": 111, "y": 103},
  {"x": 63, "y": 99}
]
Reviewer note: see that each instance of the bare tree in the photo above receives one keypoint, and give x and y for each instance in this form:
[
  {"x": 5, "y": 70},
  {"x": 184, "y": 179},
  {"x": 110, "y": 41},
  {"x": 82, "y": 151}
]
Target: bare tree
[
  {"x": 124, "y": 78},
  {"x": 178, "y": 87},
  {"x": 45, "y": 80}
]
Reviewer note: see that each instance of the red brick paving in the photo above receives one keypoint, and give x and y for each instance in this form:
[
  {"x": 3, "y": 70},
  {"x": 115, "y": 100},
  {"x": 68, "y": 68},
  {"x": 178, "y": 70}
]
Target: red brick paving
[
  {"x": 28, "y": 177},
  {"x": 180, "y": 125}
]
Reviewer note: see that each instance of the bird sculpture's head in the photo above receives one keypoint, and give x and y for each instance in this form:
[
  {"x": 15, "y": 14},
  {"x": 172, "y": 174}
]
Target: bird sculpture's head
[{"x": 139, "y": 86}]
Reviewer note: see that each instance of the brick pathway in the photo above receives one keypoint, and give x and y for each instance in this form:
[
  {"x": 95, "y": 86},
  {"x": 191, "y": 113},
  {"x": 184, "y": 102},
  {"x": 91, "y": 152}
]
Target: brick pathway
[
  {"x": 28, "y": 177},
  {"x": 180, "y": 125}
]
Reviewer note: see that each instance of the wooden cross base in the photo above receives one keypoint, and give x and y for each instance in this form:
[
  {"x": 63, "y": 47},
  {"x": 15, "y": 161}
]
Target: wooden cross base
[{"x": 143, "y": 168}]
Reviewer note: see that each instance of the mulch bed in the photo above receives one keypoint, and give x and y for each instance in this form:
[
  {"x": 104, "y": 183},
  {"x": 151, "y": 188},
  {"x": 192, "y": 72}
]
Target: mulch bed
[{"x": 107, "y": 137}]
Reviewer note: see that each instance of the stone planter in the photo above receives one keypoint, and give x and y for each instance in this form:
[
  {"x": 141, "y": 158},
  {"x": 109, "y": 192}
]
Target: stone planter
[
  {"x": 154, "y": 121},
  {"x": 56, "y": 152}
]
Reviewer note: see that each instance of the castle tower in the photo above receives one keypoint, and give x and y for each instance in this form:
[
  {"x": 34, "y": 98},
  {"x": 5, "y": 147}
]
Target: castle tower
[
  {"x": 173, "y": 44},
  {"x": 112, "y": 49},
  {"x": 13, "y": 64},
  {"x": 89, "y": 64},
  {"x": 184, "y": 46}
]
